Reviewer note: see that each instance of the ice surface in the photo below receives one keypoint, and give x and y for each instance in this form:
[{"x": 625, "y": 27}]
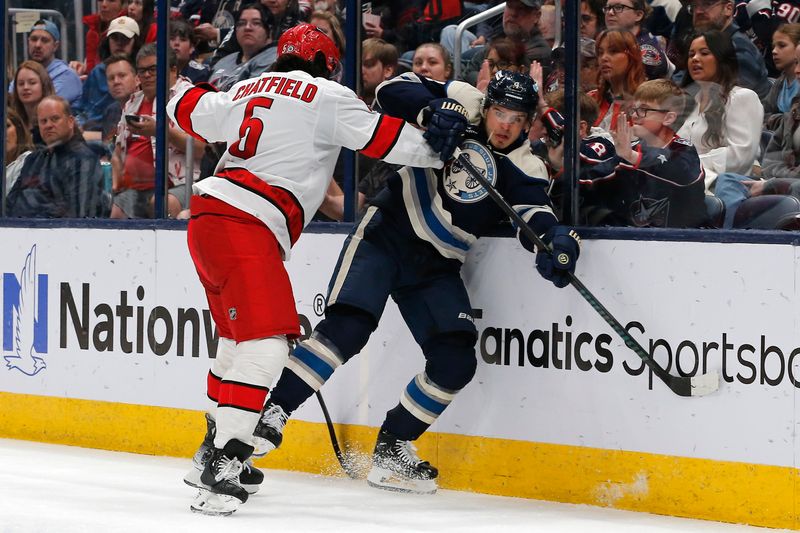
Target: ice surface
[{"x": 49, "y": 488}]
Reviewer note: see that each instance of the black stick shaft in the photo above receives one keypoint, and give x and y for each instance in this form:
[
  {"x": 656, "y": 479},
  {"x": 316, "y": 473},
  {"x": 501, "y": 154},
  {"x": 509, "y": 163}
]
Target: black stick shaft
[{"x": 334, "y": 441}]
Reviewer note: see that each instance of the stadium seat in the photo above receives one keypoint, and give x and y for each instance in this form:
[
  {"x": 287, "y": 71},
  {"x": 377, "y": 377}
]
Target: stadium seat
[{"x": 772, "y": 211}]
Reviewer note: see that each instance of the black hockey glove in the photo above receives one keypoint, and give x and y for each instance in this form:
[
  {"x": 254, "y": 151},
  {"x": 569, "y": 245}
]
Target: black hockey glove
[
  {"x": 446, "y": 123},
  {"x": 555, "y": 265}
]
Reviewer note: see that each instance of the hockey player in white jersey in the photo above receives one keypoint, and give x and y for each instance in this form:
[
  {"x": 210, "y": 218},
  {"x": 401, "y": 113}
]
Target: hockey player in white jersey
[{"x": 284, "y": 131}]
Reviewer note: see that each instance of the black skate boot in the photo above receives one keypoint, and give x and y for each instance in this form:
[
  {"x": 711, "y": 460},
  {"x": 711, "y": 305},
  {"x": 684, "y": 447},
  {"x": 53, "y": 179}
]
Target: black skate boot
[
  {"x": 250, "y": 478},
  {"x": 221, "y": 492},
  {"x": 268, "y": 434},
  {"x": 396, "y": 466}
]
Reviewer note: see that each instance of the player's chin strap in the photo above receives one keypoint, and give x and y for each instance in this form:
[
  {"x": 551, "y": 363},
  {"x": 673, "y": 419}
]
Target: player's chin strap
[{"x": 680, "y": 385}]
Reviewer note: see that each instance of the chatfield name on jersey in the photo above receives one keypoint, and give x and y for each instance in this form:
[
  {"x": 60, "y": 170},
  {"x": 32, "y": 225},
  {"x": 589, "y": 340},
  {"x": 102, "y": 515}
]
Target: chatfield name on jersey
[{"x": 298, "y": 89}]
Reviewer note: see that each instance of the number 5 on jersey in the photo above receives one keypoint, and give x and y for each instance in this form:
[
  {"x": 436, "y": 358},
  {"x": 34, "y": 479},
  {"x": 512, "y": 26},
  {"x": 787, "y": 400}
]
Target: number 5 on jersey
[{"x": 251, "y": 129}]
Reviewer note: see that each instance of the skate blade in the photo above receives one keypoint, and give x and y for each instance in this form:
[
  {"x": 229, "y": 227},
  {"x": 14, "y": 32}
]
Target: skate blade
[
  {"x": 211, "y": 504},
  {"x": 261, "y": 447},
  {"x": 192, "y": 478},
  {"x": 381, "y": 478}
]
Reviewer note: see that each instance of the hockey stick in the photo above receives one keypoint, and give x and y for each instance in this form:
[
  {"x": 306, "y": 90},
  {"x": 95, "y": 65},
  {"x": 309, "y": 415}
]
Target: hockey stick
[
  {"x": 680, "y": 385},
  {"x": 334, "y": 441}
]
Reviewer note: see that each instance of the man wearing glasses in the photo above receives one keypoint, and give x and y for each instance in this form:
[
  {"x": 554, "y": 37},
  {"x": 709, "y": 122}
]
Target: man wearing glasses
[
  {"x": 719, "y": 15},
  {"x": 133, "y": 161}
]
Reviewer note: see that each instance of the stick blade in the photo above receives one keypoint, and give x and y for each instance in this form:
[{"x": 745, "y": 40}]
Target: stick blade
[{"x": 705, "y": 384}]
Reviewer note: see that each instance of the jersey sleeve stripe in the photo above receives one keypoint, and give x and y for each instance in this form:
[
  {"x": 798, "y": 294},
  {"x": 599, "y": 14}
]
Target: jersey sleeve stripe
[
  {"x": 282, "y": 199},
  {"x": 244, "y": 396},
  {"x": 384, "y": 137},
  {"x": 186, "y": 105}
]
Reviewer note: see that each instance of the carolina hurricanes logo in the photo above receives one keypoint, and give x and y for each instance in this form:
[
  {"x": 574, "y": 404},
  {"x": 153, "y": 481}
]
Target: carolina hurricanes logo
[{"x": 462, "y": 187}]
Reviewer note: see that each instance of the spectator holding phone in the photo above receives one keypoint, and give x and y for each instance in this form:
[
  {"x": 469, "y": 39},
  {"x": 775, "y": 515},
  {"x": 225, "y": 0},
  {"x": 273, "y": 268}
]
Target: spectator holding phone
[{"x": 134, "y": 154}]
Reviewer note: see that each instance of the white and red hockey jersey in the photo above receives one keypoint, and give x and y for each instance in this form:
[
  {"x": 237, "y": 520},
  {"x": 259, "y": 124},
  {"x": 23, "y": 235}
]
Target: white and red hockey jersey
[{"x": 284, "y": 132}]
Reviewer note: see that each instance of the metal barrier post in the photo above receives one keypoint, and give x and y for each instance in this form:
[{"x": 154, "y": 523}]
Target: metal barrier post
[{"x": 472, "y": 21}]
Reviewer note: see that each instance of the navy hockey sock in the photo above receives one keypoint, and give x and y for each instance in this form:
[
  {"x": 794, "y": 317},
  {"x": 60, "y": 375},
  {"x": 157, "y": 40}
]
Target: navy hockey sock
[{"x": 343, "y": 333}]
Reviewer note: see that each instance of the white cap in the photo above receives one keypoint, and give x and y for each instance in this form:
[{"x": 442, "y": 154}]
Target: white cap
[{"x": 124, "y": 25}]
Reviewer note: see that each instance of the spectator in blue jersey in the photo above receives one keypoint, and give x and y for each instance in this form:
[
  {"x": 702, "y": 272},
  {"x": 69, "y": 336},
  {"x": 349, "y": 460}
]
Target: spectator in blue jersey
[
  {"x": 43, "y": 42},
  {"x": 630, "y": 15},
  {"x": 63, "y": 178},
  {"x": 182, "y": 39},
  {"x": 411, "y": 244}
]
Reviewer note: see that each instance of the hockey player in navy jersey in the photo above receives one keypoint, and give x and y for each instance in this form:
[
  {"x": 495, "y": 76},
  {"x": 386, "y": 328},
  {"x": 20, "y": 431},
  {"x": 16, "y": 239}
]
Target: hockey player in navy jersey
[
  {"x": 284, "y": 131},
  {"x": 410, "y": 245}
]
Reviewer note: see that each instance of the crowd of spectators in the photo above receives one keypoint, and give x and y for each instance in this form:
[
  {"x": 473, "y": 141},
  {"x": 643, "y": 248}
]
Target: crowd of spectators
[{"x": 688, "y": 109}]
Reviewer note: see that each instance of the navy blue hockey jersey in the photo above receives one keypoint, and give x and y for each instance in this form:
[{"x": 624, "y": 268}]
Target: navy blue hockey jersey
[{"x": 447, "y": 208}]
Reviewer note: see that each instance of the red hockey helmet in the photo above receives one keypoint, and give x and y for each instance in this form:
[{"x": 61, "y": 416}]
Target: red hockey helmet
[{"x": 305, "y": 41}]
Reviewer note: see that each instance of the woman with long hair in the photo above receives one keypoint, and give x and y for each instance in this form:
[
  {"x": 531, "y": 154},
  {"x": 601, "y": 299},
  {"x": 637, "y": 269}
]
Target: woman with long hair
[
  {"x": 502, "y": 53},
  {"x": 18, "y": 145},
  {"x": 620, "y": 73},
  {"x": 31, "y": 84},
  {"x": 725, "y": 125},
  {"x": 143, "y": 12}
]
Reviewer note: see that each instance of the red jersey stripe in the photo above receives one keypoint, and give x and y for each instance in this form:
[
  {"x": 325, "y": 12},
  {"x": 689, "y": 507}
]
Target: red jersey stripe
[
  {"x": 384, "y": 137},
  {"x": 185, "y": 106},
  {"x": 280, "y": 198},
  {"x": 242, "y": 396}
]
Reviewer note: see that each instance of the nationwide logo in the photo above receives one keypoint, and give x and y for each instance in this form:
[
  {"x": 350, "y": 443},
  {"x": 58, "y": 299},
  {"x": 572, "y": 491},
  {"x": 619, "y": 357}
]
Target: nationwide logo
[{"x": 25, "y": 318}]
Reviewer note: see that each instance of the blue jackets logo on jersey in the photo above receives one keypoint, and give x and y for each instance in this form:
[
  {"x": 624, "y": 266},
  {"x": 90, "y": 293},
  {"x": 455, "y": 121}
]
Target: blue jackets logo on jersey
[
  {"x": 457, "y": 182},
  {"x": 25, "y": 318}
]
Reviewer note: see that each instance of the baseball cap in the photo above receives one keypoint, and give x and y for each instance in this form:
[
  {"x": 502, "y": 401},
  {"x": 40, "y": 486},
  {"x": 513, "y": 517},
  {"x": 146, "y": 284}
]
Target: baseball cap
[
  {"x": 48, "y": 26},
  {"x": 124, "y": 25}
]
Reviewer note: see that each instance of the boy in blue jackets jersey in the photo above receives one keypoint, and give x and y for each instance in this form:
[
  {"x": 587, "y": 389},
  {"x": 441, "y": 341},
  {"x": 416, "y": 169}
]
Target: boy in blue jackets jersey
[{"x": 411, "y": 244}]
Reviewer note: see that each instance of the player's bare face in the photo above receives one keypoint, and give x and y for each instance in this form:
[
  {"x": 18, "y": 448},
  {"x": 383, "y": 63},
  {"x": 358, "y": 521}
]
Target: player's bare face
[{"x": 504, "y": 126}]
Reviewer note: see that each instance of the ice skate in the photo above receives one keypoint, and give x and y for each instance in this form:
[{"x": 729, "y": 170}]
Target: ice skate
[
  {"x": 268, "y": 434},
  {"x": 396, "y": 466},
  {"x": 250, "y": 478},
  {"x": 220, "y": 478}
]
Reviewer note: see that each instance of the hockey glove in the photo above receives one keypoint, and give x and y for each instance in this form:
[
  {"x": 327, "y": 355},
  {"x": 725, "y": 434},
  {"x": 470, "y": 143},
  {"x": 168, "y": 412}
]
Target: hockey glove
[
  {"x": 446, "y": 122},
  {"x": 557, "y": 264}
]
